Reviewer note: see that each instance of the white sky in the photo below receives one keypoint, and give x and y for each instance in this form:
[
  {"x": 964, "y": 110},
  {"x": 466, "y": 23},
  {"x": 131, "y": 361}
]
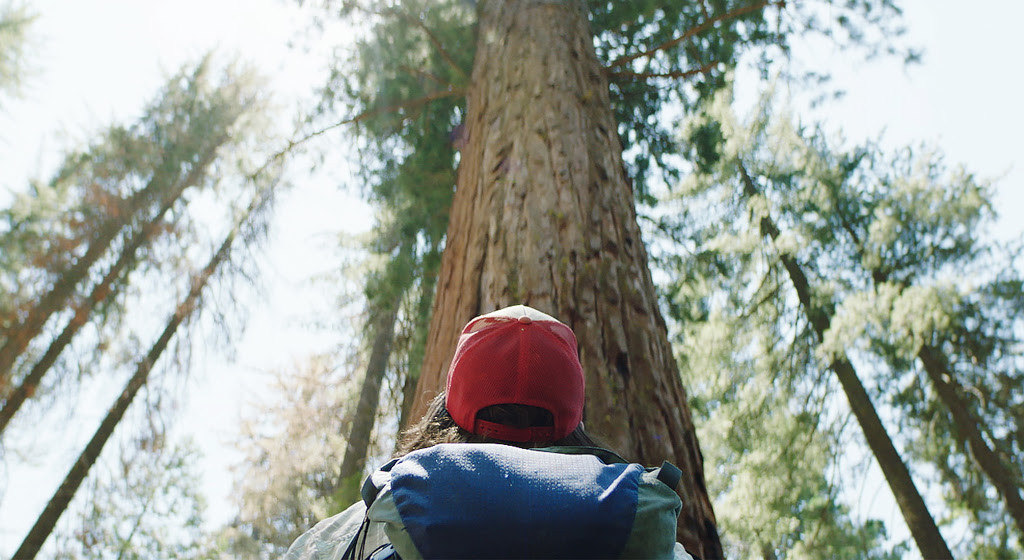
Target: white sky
[{"x": 99, "y": 61}]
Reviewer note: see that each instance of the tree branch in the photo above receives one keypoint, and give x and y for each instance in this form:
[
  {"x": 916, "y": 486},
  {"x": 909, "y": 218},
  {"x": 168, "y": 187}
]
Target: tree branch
[
  {"x": 433, "y": 39},
  {"x": 358, "y": 118},
  {"x": 693, "y": 31},
  {"x": 677, "y": 75},
  {"x": 420, "y": 72}
]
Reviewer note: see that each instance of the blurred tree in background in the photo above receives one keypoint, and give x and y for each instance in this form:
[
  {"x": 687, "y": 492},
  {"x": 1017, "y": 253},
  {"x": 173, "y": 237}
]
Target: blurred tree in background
[
  {"x": 15, "y": 22},
  {"x": 115, "y": 233},
  {"x": 892, "y": 251}
]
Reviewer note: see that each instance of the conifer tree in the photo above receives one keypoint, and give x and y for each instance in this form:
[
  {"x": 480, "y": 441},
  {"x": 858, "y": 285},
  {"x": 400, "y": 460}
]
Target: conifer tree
[
  {"x": 70, "y": 245},
  {"x": 877, "y": 243},
  {"x": 768, "y": 433},
  {"x": 292, "y": 448},
  {"x": 128, "y": 179},
  {"x": 652, "y": 54},
  {"x": 147, "y": 503},
  {"x": 245, "y": 226}
]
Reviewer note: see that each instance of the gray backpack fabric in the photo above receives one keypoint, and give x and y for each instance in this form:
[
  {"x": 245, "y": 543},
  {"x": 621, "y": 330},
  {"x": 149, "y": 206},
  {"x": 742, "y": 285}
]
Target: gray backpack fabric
[{"x": 498, "y": 501}]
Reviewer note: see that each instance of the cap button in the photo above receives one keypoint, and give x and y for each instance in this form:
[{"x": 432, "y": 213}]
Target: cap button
[{"x": 525, "y": 320}]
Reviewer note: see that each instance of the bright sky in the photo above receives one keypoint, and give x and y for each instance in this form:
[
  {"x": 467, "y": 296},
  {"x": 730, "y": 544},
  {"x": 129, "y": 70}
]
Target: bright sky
[{"x": 98, "y": 61}]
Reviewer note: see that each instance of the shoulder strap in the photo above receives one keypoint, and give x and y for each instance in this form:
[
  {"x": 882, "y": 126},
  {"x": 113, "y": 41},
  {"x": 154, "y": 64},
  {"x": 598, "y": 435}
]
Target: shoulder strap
[
  {"x": 607, "y": 457},
  {"x": 669, "y": 474},
  {"x": 371, "y": 487},
  {"x": 375, "y": 482}
]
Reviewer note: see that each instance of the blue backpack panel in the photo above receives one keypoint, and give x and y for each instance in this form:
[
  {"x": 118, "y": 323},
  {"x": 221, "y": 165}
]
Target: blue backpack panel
[{"x": 498, "y": 501}]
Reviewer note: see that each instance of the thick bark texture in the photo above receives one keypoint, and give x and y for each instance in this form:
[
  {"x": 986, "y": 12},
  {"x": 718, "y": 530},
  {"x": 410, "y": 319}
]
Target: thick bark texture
[
  {"x": 915, "y": 512},
  {"x": 544, "y": 215}
]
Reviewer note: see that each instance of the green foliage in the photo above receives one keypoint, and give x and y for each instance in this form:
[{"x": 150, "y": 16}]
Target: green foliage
[
  {"x": 767, "y": 446},
  {"x": 654, "y": 76},
  {"x": 292, "y": 448},
  {"x": 895, "y": 252},
  {"x": 129, "y": 183},
  {"x": 15, "y": 21},
  {"x": 147, "y": 505},
  {"x": 402, "y": 86}
]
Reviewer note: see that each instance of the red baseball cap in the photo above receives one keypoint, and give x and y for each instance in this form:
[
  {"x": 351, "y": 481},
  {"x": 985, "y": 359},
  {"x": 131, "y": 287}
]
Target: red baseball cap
[{"x": 516, "y": 355}]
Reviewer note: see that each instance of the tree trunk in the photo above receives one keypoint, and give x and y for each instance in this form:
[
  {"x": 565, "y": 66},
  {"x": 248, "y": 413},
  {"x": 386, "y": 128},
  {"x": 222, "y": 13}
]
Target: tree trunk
[
  {"x": 62, "y": 497},
  {"x": 358, "y": 442},
  {"x": 80, "y": 317},
  {"x": 544, "y": 215},
  {"x": 66, "y": 284},
  {"x": 420, "y": 325},
  {"x": 915, "y": 512},
  {"x": 946, "y": 386}
]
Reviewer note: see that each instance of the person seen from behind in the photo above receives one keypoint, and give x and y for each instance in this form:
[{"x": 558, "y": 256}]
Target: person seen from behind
[{"x": 500, "y": 466}]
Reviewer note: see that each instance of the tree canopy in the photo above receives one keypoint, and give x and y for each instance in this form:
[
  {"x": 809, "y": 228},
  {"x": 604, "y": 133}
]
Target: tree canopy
[{"x": 798, "y": 275}]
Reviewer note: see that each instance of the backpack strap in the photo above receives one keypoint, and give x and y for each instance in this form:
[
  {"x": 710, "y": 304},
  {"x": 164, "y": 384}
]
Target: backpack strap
[
  {"x": 350, "y": 550},
  {"x": 371, "y": 487},
  {"x": 669, "y": 474},
  {"x": 375, "y": 483},
  {"x": 607, "y": 457}
]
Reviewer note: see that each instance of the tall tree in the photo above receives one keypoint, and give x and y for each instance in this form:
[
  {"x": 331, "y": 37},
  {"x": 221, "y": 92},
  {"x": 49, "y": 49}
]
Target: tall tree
[
  {"x": 130, "y": 178},
  {"x": 729, "y": 171},
  {"x": 71, "y": 244},
  {"x": 44, "y": 525},
  {"x": 381, "y": 334},
  {"x": 875, "y": 244},
  {"x": 543, "y": 215},
  {"x": 928, "y": 289},
  {"x": 648, "y": 50},
  {"x": 111, "y": 283},
  {"x": 769, "y": 434}
]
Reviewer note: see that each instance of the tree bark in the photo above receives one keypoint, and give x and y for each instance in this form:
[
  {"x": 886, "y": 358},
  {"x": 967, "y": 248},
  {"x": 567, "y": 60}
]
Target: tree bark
[
  {"x": 544, "y": 215},
  {"x": 948, "y": 389},
  {"x": 62, "y": 497},
  {"x": 80, "y": 317},
  {"x": 915, "y": 512},
  {"x": 358, "y": 442}
]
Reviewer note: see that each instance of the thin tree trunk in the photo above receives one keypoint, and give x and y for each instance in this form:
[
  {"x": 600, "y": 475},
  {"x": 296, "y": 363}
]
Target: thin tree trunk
[
  {"x": 420, "y": 324},
  {"x": 64, "y": 287},
  {"x": 951, "y": 394},
  {"x": 62, "y": 497},
  {"x": 544, "y": 215},
  {"x": 358, "y": 442},
  {"x": 915, "y": 512},
  {"x": 82, "y": 311},
  {"x": 946, "y": 386}
]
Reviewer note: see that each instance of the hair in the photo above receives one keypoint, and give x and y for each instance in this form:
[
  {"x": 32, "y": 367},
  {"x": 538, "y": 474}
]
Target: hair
[{"x": 437, "y": 426}]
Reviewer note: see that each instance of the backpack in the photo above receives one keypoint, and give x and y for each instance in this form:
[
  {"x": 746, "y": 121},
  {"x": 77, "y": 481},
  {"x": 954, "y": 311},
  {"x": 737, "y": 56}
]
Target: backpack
[{"x": 485, "y": 500}]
